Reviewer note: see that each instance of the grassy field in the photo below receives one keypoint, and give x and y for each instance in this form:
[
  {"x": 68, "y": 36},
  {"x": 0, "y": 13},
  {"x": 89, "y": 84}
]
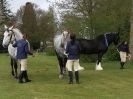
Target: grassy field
[{"x": 111, "y": 83}]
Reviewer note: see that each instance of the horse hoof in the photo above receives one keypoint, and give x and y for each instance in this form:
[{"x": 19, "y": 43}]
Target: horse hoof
[
  {"x": 16, "y": 77},
  {"x": 60, "y": 76},
  {"x": 13, "y": 73},
  {"x": 64, "y": 72},
  {"x": 99, "y": 69}
]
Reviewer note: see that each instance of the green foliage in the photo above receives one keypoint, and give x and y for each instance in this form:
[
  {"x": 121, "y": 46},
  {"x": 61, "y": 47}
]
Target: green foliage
[
  {"x": 5, "y": 14},
  {"x": 112, "y": 54},
  {"x": 72, "y": 23},
  {"x": 50, "y": 51},
  {"x": 125, "y": 30},
  {"x": 46, "y": 25},
  {"x": 99, "y": 16}
]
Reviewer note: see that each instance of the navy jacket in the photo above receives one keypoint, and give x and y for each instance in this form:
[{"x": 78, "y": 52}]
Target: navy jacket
[
  {"x": 123, "y": 48},
  {"x": 22, "y": 49},
  {"x": 73, "y": 50}
]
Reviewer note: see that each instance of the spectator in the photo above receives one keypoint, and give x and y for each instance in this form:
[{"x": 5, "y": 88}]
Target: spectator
[{"x": 123, "y": 49}]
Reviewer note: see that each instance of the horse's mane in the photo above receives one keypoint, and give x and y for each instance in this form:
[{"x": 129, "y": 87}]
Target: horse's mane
[
  {"x": 57, "y": 39},
  {"x": 59, "y": 43},
  {"x": 17, "y": 30},
  {"x": 102, "y": 35},
  {"x": 18, "y": 33},
  {"x": 99, "y": 37}
]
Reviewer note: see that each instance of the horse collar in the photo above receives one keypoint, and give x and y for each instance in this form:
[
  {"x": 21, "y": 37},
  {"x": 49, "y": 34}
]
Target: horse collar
[{"x": 106, "y": 41}]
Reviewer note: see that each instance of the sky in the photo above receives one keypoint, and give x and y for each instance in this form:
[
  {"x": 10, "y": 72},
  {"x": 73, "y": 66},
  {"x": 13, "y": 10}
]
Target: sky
[{"x": 14, "y": 5}]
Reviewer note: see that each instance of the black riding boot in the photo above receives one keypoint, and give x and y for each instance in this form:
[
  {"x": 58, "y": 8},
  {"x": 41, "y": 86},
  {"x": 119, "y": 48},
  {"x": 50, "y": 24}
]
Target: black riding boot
[
  {"x": 122, "y": 65},
  {"x": 77, "y": 77},
  {"x": 20, "y": 78},
  {"x": 70, "y": 74},
  {"x": 26, "y": 77}
]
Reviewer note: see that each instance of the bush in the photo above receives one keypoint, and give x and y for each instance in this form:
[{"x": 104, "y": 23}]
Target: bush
[
  {"x": 50, "y": 51},
  {"x": 112, "y": 54}
]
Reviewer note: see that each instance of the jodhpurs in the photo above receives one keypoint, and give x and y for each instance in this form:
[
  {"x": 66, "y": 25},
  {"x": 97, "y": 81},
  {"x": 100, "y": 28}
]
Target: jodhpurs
[
  {"x": 23, "y": 63},
  {"x": 71, "y": 63},
  {"x": 123, "y": 56}
]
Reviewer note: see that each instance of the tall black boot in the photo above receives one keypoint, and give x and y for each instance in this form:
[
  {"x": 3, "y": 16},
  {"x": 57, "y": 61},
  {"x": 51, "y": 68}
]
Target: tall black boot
[
  {"x": 122, "y": 65},
  {"x": 70, "y": 74},
  {"x": 20, "y": 78},
  {"x": 77, "y": 77},
  {"x": 26, "y": 77}
]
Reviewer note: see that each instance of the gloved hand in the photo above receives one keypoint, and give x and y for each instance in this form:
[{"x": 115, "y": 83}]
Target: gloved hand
[
  {"x": 65, "y": 54},
  {"x": 129, "y": 56}
]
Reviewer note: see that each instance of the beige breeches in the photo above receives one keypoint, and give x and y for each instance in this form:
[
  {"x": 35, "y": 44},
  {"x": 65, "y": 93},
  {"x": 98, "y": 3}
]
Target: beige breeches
[
  {"x": 23, "y": 63},
  {"x": 71, "y": 63},
  {"x": 123, "y": 56}
]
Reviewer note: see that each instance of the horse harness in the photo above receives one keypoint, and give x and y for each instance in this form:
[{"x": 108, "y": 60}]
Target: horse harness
[
  {"x": 106, "y": 40},
  {"x": 12, "y": 34}
]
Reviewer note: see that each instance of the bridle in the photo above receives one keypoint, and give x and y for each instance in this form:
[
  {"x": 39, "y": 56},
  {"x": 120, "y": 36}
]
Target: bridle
[
  {"x": 12, "y": 34},
  {"x": 63, "y": 39},
  {"x": 106, "y": 39}
]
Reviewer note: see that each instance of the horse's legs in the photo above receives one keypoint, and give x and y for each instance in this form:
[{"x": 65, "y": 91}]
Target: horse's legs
[
  {"x": 12, "y": 67},
  {"x": 15, "y": 68},
  {"x": 98, "y": 63},
  {"x": 60, "y": 60},
  {"x": 64, "y": 65},
  {"x": 61, "y": 65}
]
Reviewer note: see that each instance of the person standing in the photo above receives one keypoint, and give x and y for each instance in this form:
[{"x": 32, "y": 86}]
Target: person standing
[
  {"x": 123, "y": 49},
  {"x": 73, "y": 49},
  {"x": 23, "y": 50}
]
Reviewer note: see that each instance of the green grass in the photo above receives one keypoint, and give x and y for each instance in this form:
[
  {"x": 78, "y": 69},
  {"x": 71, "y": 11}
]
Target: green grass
[{"x": 111, "y": 83}]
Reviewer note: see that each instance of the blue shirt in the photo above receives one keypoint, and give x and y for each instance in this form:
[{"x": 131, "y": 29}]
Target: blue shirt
[
  {"x": 22, "y": 49},
  {"x": 73, "y": 50}
]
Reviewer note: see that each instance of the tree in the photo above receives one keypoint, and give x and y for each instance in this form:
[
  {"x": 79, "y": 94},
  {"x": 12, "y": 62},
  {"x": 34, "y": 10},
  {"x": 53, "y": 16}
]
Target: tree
[
  {"x": 131, "y": 32},
  {"x": 98, "y": 15},
  {"x": 18, "y": 16},
  {"x": 5, "y": 13},
  {"x": 45, "y": 21},
  {"x": 47, "y": 25},
  {"x": 29, "y": 23}
]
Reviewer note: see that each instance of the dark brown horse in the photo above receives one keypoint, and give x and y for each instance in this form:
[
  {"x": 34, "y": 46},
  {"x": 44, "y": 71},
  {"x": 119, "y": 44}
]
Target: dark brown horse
[{"x": 98, "y": 46}]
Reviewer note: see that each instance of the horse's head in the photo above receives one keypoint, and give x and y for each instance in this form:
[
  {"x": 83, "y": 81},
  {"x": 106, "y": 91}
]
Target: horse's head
[
  {"x": 112, "y": 37},
  {"x": 11, "y": 34},
  {"x": 65, "y": 38},
  {"x": 8, "y": 36},
  {"x": 66, "y": 35},
  {"x": 116, "y": 38}
]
